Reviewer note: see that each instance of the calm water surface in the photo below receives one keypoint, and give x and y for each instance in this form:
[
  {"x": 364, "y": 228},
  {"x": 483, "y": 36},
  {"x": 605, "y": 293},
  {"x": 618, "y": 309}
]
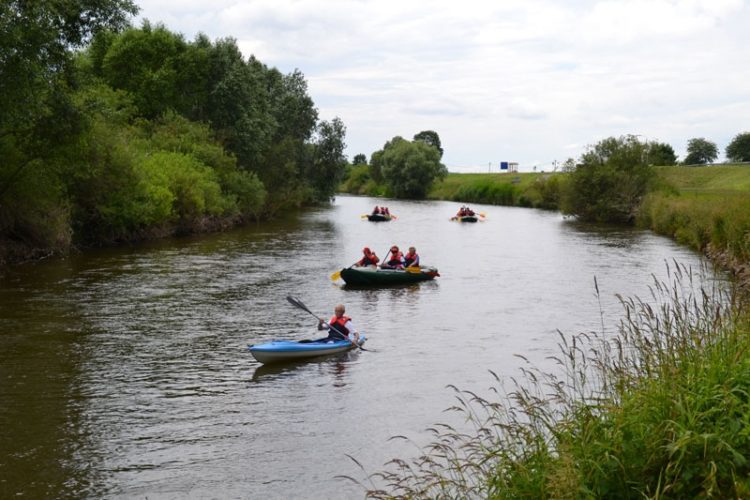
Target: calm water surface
[{"x": 124, "y": 373}]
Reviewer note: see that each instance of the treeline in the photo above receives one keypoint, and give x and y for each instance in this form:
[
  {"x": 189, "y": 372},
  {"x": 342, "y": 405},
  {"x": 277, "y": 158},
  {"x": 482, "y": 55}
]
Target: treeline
[{"x": 113, "y": 133}]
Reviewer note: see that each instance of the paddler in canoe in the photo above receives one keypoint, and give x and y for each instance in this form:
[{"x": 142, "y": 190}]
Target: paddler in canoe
[
  {"x": 411, "y": 259},
  {"x": 368, "y": 258},
  {"x": 394, "y": 260},
  {"x": 340, "y": 327}
]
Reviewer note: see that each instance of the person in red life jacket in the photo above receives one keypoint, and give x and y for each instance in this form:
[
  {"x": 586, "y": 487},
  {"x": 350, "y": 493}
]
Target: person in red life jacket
[
  {"x": 469, "y": 211},
  {"x": 386, "y": 211},
  {"x": 376, "y": 210},
  {"x": 340, "y": 327},
  {"x": 395, "y": 259},
  {"x": 369, "y": 258},
  {"x": 411, "y": 259}
]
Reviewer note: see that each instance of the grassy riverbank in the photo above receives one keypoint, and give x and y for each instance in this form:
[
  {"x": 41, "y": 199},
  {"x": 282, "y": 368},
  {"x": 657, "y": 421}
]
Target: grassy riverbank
[{"x": 706, "y": 208}]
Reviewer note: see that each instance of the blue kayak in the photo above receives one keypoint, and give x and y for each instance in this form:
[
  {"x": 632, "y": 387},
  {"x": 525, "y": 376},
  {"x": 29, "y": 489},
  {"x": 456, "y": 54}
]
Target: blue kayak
[{"x": 289, "y": 350}]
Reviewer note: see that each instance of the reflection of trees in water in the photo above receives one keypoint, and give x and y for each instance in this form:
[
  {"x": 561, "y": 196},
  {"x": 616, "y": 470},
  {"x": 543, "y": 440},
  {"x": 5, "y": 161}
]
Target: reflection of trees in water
[{"x": 608, "y": 235}]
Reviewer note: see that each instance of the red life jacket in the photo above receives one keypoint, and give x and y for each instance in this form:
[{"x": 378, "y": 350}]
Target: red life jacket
[
  {"x": 410, "y": 259},
  {"x": 368, "y": 260},
  {"x": 339, "y": 324},
  {"x": 396, "y": 259}
]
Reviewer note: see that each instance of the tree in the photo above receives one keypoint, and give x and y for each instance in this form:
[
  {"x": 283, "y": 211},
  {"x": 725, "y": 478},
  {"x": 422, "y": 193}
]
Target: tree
[
  {"x": 330, "y": 163},
  {"x": 609, "y": 182},
  {"x": 35, "y": 43},
  {"x": 410, "y": 168},
  {"x": 701, "y": 151},
  {"x": 661, "y": 154},
  {"x": 38, "y": 116},
  {"x": 430, "y": 137},
  {"x": 359, "y": 159},
  {"x": 739, "y": 148}
]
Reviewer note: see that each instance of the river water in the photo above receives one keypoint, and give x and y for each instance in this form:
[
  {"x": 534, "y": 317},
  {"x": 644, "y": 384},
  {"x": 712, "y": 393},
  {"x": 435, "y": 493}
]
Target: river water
[{"x": 124, "y": 373}]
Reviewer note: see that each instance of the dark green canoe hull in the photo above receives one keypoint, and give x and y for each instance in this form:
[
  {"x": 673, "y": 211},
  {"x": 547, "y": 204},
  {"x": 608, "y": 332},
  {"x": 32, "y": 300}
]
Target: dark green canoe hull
[
  {"x": 372, "y": 277},
  {"x": 378, "y": 218},
  {"x": 467, "y": 218}
]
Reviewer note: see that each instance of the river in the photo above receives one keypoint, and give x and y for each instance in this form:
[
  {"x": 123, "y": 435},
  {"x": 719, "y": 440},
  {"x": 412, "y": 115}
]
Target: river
[{"x": 124, "y": 372}]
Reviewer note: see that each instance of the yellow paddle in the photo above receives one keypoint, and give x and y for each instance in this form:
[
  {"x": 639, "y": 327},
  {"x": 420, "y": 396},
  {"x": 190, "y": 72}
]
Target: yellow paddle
[
  {"x": 335, "y": 275},
  {"x": 413, "y": 269}
]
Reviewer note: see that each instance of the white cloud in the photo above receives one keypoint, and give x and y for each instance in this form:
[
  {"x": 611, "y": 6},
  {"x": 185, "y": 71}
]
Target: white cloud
[{"x": 512, "y": 79}]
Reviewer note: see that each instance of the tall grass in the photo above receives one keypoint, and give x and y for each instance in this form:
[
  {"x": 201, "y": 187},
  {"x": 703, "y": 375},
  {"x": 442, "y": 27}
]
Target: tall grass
[
  {"x": 660, "y": 409},
  {"x": 715, "y": 221},
  {"x": 525, "y": 190}
]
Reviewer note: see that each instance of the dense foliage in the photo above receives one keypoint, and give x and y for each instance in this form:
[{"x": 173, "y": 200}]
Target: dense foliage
[
  {"x": 701, "y": 151},
  {"x": 112, "y": 133},
  {"x": 408, "y": 168},
  {"x": 739, "y": 148},
  {"x": 609, "y": 182},
  {"x": 660, "y": 153}
]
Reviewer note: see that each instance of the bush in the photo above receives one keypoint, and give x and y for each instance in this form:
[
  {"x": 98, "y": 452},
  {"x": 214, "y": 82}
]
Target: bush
[{"x": 610, "y": 182}]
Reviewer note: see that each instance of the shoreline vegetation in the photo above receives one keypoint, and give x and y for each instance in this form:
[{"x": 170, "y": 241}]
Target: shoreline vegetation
[{"x": 113, "y": 134}]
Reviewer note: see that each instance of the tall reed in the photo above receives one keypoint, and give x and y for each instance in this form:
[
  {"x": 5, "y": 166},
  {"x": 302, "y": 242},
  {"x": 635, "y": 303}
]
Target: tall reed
[{"x": 660, "y": 408}]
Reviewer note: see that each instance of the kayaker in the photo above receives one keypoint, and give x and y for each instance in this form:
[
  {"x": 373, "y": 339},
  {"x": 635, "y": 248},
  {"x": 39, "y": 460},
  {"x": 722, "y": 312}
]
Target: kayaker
[
  {"x": 369, "y": 258},
  {"x": 376, "y": 210},
  {"x": 411, "y": 259},
  {"x": 386, "y": 211},
  {"x": 395, "y": 259},
  {"x": 340, "y": 327}
]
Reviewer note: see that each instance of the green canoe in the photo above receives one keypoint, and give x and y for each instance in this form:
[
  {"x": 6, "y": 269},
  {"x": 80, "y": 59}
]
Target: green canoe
[{"x": 378, "y": 276}]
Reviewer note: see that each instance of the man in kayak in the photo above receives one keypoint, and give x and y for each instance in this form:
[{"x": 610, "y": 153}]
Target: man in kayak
[
  {"x": 369, "y": 258},
  {"x": 340, "y": 327},
  {"x": 395, "y": 259},
  {"x": 411, "y": 259}
]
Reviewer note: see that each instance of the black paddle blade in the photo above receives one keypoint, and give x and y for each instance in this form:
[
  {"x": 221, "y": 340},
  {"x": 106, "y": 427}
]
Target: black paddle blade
[{"x": 297, "y": 303}]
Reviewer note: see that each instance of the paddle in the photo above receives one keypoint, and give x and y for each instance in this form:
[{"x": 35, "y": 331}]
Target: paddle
[{"x": 298, "y": 304}]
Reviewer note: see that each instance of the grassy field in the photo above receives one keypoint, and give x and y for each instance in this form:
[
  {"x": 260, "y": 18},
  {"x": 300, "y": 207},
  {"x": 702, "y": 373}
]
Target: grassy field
[{"x": 719, "y": 179}]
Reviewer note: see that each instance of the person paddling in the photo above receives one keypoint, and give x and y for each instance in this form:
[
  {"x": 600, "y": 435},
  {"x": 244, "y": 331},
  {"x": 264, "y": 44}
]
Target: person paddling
[
  {"x": 395, "y": 259},
  {"x": 369, "y": 258},
  {"x": 340, "y": 327},
  {"x": 411, "y": 259}
]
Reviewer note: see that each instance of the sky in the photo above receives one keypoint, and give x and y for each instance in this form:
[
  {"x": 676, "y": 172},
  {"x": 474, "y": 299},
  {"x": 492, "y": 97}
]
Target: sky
[{"x": 527, "y": 81}]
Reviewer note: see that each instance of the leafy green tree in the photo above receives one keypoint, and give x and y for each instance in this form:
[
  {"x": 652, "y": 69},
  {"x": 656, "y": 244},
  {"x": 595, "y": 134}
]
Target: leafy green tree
[
  {"x": 330, "y": 163},
  {"x": 430, "y": 137},
  {"x": 35, "y": 42},
  {"x": 661, "y": 154},
  {"x": 739, "y": 148},
  {"x": 359, "y": 159},
  {"x": 410, "y": 168},
  {"x": 38, "y": 117},
  {"x": 147, "y": 62},
  {"x": 609, "y": 182},
  {"x": 701, "y": 151}
]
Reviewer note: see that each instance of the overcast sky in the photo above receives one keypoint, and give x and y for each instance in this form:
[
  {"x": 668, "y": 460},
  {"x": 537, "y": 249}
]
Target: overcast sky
[{"x": 530, "y": 81}]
